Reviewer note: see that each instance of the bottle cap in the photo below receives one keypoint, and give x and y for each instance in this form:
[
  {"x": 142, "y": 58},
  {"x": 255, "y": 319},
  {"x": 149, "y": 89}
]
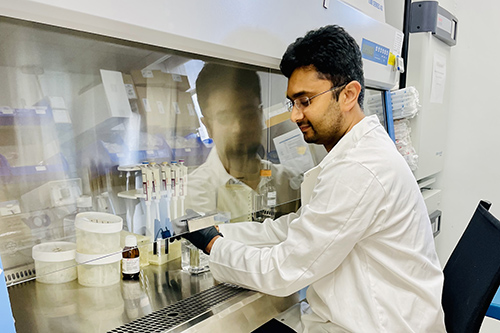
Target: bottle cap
[{"x": 130, "y": 241}]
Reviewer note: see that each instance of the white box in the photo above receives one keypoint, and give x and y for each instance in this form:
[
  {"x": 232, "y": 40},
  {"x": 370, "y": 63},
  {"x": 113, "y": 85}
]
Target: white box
[
  {"x": 102, "y": 106},
  {"x": 432, "y": 199}
]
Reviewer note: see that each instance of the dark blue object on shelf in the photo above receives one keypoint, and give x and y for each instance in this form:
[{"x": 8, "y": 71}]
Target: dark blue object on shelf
[{"x": 494, "y": 308}]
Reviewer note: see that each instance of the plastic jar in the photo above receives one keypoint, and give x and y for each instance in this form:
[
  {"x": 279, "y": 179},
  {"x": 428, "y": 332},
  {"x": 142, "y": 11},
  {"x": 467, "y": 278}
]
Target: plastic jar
[
  {"x": 98, "y": 270},
  {"x": 55, "y": 262},
  {"x": 97, "y": 233}
]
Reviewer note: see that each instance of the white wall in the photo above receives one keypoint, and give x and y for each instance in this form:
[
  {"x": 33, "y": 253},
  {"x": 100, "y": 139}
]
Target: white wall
[
  {"x": 472, "y": 156},
  {"x": 471, "y": 170},
  {"x": 471, "y": 166}
]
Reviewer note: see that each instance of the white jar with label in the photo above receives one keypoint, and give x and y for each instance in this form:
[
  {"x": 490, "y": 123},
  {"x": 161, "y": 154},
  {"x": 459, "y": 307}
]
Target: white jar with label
[
  {"x": 55, "y": 262},
  {"x": 97, "y": 233},
  {"x": 98, "y": 270}
]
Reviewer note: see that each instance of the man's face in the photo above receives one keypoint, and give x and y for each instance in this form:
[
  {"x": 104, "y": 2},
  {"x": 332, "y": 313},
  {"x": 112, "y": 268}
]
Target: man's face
[
  {"x": 234, "y": 121},
  {"x": 321, "y": 122}
]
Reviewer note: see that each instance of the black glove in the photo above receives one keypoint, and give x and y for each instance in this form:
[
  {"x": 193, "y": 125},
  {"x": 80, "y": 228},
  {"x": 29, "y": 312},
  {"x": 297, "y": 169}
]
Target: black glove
[
  {"x": 201, "y": 238},
  {"x": 179, "y": 224}
]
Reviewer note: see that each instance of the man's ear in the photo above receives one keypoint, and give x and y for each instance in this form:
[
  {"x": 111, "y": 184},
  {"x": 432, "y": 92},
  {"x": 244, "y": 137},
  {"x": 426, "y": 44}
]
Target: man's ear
[
  {"x": 207, "y": 125},
  {"x": 348, "y": 97}
]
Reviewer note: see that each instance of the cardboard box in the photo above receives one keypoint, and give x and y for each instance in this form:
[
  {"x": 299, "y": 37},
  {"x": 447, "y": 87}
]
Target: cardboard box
[
  {"x": 127, "y": 79},
  {"x": 186, "y": 118},
  {"x": 154, "y": 107},
  {"x": 164, "y": 109},
  {"x": 155, "y": 78},
  {"x": 129, "y": 86}
]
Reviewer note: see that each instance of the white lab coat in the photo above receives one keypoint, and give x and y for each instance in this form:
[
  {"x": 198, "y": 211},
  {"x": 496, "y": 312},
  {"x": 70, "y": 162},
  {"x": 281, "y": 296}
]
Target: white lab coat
[
  {"x": 362, "y": 240},
  {"x": 208, "y": 188}
]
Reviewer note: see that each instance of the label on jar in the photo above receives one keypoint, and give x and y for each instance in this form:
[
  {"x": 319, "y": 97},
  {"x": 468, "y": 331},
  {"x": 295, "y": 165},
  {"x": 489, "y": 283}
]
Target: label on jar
[
  {"x": 271, "y": 195},
  {"x": 271, "y": 202},
  {"x": 131, "y": 265}
]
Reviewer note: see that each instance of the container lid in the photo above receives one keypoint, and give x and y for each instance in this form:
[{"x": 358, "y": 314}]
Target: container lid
[
  {"x": 54, "y": 251},
  {"x": 98, "y": 259},
  {"x": 130, "y": 241},
  {"x": 102, "y": 223},
  {"x": 84, "y": 201}
]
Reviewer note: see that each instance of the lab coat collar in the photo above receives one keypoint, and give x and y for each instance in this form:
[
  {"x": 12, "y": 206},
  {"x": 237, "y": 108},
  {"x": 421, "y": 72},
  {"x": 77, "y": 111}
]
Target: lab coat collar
[
  {"x": 214, "y": 161},
  {"x": 351, "y": 138},
  {"x": 307, "y": 186}
]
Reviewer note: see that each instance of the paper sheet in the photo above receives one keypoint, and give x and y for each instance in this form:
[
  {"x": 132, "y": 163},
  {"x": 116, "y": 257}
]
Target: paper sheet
[
  {"x": 293, "y": 151},
  {"x": 438, "y": 78},
  {"x": 116, "y": 93}
]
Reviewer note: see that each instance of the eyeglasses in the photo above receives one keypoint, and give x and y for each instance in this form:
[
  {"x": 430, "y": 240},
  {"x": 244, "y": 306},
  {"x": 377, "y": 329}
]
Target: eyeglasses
[{"x": 302, "y": 102}]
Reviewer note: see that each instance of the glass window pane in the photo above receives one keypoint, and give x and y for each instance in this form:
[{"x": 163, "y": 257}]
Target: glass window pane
[
  {"x": 375, "y": 104},
  {"x": 91, "y": 123}
]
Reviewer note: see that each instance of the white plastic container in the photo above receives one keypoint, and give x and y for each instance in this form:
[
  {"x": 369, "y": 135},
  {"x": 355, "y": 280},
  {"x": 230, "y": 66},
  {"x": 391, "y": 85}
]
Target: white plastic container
[
  {"x": 97, "y": 233},
  {"x": 97, "y": 270},
  {"x": 55, "y": 262}
]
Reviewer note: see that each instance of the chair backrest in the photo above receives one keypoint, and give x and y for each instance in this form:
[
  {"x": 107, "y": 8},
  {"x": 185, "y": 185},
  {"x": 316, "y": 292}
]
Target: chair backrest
[{"x": 472, "y": 274}]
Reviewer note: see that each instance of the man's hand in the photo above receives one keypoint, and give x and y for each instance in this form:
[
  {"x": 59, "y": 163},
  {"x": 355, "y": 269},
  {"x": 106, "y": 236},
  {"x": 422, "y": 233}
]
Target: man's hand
[{"x": 204, "y": 238}]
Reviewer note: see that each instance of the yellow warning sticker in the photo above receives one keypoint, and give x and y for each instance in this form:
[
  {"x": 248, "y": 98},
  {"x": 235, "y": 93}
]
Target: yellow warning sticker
[{"x": 392, "y": 59}]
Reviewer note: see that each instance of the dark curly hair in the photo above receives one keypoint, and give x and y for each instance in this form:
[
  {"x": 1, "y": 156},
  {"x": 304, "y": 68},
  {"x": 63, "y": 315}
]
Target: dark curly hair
[{"x": 332, "y": 51}]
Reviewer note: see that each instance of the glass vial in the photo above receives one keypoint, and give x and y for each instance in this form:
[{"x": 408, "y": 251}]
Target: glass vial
[
  {"x": 269, "y": 195},
  {"x": 130, "y": 259},
  {"x": 193, "y": 260}
]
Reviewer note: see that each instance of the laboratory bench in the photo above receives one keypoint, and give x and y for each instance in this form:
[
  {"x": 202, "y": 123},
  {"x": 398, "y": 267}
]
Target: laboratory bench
[{"x": 164, "y": 299}]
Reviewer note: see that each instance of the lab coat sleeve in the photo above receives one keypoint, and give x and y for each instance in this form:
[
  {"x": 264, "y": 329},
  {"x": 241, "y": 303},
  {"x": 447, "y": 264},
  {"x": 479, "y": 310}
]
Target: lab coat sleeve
[
  {"x": 344, "y": 203},
  {"x": 267, "y": 233}
]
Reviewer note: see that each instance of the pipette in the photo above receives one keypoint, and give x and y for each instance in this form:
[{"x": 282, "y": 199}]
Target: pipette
[
  {"x": 147, "y": 188},
  {"x": 174, "y": 175},
  {"x": 182, "y": 183}
]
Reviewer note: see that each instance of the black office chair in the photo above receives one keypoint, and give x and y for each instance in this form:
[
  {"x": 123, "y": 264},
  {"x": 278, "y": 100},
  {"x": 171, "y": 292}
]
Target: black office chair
[{"x": 472, "y": 274}]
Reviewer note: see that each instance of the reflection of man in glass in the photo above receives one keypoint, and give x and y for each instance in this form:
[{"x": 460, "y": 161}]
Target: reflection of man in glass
[{"x": 230, "y": 101}]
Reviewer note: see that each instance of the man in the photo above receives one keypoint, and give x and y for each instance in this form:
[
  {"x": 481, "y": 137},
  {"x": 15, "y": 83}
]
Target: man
[
  {"x": 230, "y": 101},
  {"x": 362, "y": 239}
]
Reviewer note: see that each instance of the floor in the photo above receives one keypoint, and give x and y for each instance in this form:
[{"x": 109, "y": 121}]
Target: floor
[{"x": 490, "y": 325}]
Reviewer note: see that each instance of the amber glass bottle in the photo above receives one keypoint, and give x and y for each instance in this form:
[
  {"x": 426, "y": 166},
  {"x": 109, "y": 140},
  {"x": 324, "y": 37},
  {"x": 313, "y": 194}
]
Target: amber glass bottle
[{"x": 130, "y": 259}]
